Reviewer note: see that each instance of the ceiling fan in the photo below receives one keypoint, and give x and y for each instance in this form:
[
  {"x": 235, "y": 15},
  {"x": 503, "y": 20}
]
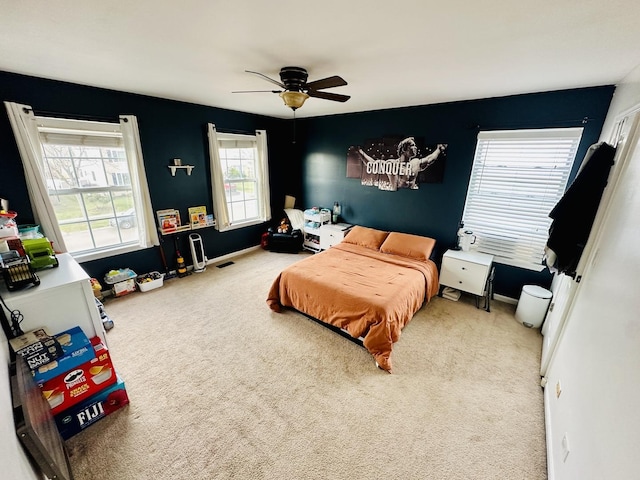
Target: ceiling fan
[{"x": 296, "y": 89}]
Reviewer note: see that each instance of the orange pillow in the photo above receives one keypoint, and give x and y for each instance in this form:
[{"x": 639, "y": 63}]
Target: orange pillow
[
  {"x": 407, "y": 245},
  {"x": 366, "y": 237}
]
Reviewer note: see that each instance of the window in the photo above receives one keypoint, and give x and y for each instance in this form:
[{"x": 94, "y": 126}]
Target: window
[
  {"x": 79, "y": 175},
  {"x": 240, "y": 179},
  {"x": 517, "y": 178}
]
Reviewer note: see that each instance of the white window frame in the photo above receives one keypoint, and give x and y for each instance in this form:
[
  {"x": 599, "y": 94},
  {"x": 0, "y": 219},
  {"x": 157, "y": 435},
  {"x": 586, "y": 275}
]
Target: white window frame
[
  {"x": 217, "y": 141},
  {"x": 517, "y": 178},
  {"x": 30, "y": 131}
]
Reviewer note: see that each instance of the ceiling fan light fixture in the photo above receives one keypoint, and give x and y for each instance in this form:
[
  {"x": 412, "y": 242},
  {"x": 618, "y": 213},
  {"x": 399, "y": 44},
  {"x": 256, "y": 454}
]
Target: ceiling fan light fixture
[{"x": 294, "y": 100}]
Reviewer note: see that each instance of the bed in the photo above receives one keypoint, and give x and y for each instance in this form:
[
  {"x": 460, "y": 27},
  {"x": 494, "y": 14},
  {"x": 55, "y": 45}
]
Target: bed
[{"x": 370, "y": 286}]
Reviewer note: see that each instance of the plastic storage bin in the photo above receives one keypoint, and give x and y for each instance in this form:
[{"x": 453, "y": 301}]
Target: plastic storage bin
[
  {"x": 150, "y": 281},
  {"x": 533, "y": 305},
  {"x": 29, "y": 231}
]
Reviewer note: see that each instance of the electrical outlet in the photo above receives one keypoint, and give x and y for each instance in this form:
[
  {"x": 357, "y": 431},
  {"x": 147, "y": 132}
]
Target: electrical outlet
[
  {"x": 558, "y": 389},
  {"x": 565, "y": 447}
]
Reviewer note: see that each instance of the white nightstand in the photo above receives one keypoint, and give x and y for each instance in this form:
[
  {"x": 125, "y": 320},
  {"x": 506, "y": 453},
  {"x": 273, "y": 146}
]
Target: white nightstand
[
  {"x": 467, "y": 271},
  {"x": 331, "y": 234}
]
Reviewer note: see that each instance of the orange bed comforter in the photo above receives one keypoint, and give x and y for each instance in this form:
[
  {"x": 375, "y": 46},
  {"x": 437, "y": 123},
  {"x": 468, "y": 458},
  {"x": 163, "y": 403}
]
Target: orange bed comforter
[{"x": 369, "y": 294}]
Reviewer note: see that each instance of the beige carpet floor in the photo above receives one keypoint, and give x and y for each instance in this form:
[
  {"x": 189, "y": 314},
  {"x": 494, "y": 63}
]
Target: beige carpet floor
[{"x": 222, "y": 388}]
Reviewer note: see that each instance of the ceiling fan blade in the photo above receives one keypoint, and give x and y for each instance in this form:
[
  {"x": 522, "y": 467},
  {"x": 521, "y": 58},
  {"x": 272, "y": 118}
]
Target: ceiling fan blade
[
  {"x": 328, "y": 96},
  {"x": 328, "y": 82},
  {"x": 268, "y": 79},
  {"x": 257, "y": 91}
]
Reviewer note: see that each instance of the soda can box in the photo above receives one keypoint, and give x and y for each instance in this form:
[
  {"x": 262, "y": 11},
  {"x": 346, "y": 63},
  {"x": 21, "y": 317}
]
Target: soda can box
[
  {"x": 86, "y": 413},
  {"x": 76, "y": 350},
  {"x": 72, "y": 387},
  {"x": 123, "y": 288},
  {"x": 37, "y": 347}
]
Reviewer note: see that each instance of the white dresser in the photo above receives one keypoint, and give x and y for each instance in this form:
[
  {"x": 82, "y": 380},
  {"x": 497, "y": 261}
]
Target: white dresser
[
  {"x": 466, "y": 271},
  {"x": 64, "y": 299}
]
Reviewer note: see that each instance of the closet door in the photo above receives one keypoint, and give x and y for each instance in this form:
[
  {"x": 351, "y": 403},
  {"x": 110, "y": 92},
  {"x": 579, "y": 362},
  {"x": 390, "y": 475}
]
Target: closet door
[{"x": 564, "y": 287}]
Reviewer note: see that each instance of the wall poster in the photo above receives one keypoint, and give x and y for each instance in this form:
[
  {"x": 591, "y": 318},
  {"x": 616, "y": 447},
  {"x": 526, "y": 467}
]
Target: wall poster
[{"x": 394, "y": 162}]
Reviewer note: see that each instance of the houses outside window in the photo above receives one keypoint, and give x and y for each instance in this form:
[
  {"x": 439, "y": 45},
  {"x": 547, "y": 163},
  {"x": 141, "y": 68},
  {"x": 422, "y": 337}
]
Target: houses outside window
[
  {"x": 517, "y": 178},
  {"x": 86, "y": 199}
]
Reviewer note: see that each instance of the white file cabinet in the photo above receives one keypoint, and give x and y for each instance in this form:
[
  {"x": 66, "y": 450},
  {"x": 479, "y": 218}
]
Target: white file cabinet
[
  {"x": 466, "y": 271},
  {"x": 332, "y": 234}
]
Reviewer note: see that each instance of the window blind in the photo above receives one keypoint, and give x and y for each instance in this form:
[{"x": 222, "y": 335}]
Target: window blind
[
  {"x": 517, "y": 178},
  {"x": 55, "y": 131}
]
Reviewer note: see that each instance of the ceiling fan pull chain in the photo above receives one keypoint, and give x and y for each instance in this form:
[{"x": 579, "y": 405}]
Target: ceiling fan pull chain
[{"x": 294, "y": 126}]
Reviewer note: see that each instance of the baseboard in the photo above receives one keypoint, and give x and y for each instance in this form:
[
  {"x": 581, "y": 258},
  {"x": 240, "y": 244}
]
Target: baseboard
[
  {"x": 502, "y": 298},
  {"x": 548, "y": 433},
  {"x": 224, "y": 258}
]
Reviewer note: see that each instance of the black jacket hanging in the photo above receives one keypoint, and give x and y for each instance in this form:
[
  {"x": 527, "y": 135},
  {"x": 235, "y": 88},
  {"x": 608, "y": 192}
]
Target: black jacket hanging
[{"x": 573, "y": 215}]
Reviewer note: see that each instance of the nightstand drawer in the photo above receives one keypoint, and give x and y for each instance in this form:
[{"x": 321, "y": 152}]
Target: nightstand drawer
[{"x": 332, "y": 234}]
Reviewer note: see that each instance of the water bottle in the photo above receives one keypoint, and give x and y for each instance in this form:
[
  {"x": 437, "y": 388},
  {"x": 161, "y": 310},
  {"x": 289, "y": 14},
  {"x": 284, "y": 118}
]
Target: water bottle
[{"x": 336, "y": 212}]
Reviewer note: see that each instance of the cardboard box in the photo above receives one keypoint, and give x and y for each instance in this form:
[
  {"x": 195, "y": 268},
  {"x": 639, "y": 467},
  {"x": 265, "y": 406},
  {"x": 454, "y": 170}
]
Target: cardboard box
[
  {"x": 122, "y": 288},
  {"x": 38, "y": 347},
  {"x": 68, "y": 389},
  {"x": 84, "y": 414},
  {"x": 76, "y": 350}
]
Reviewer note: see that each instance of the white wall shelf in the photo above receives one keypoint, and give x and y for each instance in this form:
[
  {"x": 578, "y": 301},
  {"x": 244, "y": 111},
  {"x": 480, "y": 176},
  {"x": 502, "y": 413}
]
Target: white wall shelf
[{"x": 173, "y": 169}]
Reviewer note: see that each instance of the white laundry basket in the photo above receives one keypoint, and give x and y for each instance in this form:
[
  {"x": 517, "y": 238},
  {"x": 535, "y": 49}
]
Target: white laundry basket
[{"x": 532, "y": 306}]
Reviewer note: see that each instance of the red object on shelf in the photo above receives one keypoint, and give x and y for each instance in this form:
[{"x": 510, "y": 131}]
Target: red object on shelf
[{"x": 14, "y": 243}]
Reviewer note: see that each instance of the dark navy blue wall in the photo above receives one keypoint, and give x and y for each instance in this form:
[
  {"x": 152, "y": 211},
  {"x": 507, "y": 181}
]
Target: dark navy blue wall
[
  {"x": 436, "y": 209},
  {"x": 168, "y": 129},
  {"x": 313, "y": 168}
]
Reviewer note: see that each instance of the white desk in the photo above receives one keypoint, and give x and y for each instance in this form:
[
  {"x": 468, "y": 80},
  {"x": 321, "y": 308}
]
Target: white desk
[{"x": 64, "y": 299}]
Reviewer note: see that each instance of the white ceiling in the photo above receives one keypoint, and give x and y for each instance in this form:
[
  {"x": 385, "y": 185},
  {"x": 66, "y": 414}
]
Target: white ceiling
[{"x": 392, "y": 53}]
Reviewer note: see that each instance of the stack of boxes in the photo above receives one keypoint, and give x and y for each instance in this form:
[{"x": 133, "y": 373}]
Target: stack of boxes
[
  {"x": 121, "y": 281},
  {"x": 76, "y": 376}
]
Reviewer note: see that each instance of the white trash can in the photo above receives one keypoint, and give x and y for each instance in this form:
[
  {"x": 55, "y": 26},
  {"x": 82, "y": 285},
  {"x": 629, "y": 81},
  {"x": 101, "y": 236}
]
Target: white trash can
[{"x": 532, "y": 306}]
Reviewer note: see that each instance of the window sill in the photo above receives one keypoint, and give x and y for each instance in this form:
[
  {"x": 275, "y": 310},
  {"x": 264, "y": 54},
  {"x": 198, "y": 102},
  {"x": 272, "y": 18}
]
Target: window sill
[
  {"x": 513, "y": 263},
  {"x": 235, "y": 226},
  {"x": 81, "y": 257}
]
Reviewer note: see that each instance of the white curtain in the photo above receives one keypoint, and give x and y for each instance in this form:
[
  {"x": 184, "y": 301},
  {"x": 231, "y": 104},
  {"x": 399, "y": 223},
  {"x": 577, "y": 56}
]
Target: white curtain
[
  {"x": 265, "y": 195},
  {"x": 25, "y": 130},
  {"x": 148, "y": 235},
  {"x": 220, "y": 210}
]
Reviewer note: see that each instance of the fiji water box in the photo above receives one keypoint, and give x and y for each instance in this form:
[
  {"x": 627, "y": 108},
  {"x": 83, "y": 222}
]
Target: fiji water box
[
  {"x": 84, "y": 414},
  {"x": 37, "y": 347},
  {"x": 81, "y": 382},
  {"x": 76, "y": 350}
]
